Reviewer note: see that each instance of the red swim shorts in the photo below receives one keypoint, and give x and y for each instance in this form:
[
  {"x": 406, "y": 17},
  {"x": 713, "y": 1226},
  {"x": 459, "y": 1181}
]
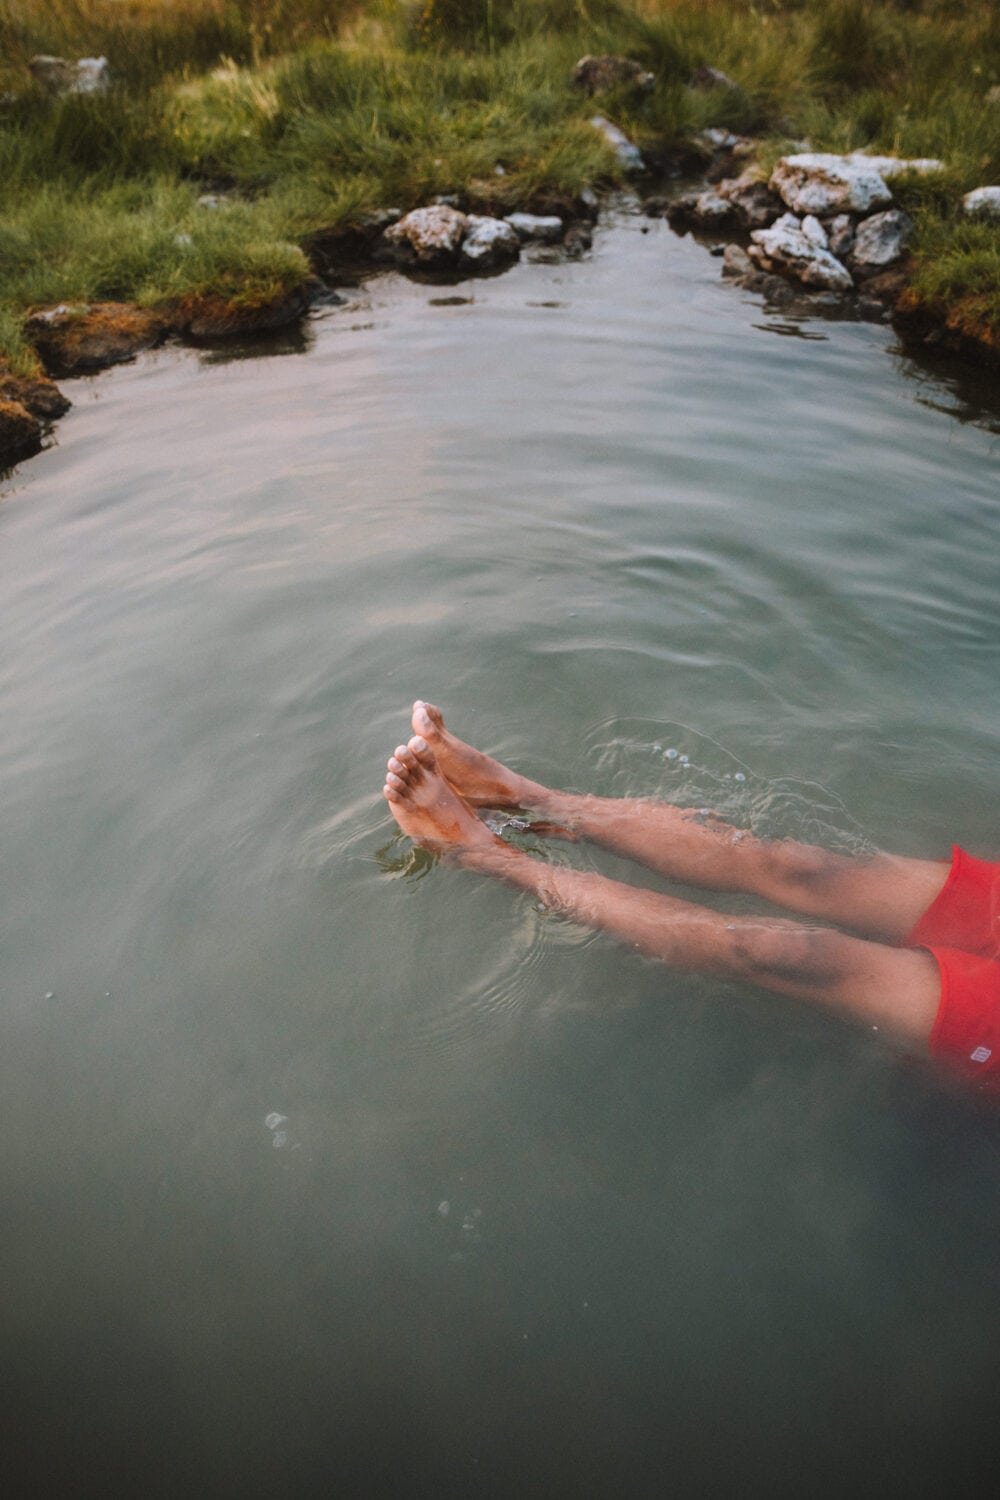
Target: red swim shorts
[{"x": 961, "y": 928}]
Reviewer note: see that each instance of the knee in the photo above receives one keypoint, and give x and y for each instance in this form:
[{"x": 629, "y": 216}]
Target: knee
[
  {"x": 789, "y": 958},
  {"x": 802, "y": 868}
]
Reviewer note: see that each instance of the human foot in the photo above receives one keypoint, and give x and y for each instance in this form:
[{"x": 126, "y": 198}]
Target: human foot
[
  {"x": 479, "y": 778},
  {"x": 426, "y": 806}
]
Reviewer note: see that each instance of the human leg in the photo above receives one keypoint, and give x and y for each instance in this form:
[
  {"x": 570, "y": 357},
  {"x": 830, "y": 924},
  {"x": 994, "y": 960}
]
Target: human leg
[
  {"x": 890, "y": 987},
  {"x": 881, "y": 896}
]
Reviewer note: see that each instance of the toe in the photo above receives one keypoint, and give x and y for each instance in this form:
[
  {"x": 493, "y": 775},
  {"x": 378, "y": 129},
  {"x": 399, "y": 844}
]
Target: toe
[
  {"x": 397, "y": 783},
  {"x": 389, "y": 793},
  {"x": 397, "y": 765},
  {"x": 423, "y": 752}
]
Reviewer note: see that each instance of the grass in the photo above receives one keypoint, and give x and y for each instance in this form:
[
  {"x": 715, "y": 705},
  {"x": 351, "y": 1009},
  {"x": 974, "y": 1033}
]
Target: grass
[{"x": 307, "y": 113}]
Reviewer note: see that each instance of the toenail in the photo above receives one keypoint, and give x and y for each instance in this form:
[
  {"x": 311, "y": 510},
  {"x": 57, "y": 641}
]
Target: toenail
[{"x": 418, "y": 743}]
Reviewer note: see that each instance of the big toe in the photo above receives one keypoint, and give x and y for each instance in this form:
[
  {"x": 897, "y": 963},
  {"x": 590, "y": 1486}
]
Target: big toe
[{"x": 427, "y": 719}]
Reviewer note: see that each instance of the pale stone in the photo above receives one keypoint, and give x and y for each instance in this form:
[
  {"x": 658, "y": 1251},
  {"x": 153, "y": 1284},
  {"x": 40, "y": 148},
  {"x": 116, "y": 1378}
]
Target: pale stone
[
  {"x": 784, "y": 245},
  {"x": 888, "y": 167},
  {"x": 547, "y": 227},
  {"x": 815, "y": 182},
  {"x": 814, "y": 232},
  {"x": 753, "y": 200},
  {"x": 736, "y": 262},
  {"x": 433, "y": 233},
  {"x": 711, "y": 210},
  {"x": 841, "y": 235},
  {"x": 607, "y": 71},
  {"x": 628, "y": 154},
  {"x": 710, "y": 78},
  {"x": 488, "y": 241},
  {"x": 717, "y": 139},
  {"x": 983, "y": 203},
  {"x": 89, "y": 75},
  {"x": 880, "y": 240}
]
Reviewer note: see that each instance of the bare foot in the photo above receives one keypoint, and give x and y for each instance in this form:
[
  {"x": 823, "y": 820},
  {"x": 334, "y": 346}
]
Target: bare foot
[
  {"x": 426, "y": 807},
  {"x": 481, "y": 780}
]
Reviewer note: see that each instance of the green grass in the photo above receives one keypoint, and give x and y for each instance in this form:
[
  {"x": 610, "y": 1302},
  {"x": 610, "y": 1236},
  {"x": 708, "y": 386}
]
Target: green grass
[{"x": 309, "y": 112}]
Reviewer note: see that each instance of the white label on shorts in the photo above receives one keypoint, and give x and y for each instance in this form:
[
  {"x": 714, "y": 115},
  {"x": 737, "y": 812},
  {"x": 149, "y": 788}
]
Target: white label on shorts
[{"x": 981, "y": 1054}]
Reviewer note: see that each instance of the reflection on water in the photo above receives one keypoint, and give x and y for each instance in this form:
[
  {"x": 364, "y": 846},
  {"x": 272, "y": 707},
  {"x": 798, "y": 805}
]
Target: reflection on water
[{"x": 318, "y": 1172}]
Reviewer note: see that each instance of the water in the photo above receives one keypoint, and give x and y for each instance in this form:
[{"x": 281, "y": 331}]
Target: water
[{"x": 327, "y": 1169}]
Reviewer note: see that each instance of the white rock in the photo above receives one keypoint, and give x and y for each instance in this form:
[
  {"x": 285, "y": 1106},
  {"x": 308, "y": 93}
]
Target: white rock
[
  {"x": 983, "y": 203},
  {"x": 710, "y": 209},
  {"x": 628, "y": 154},
  {"x": 89, "y": 75},
  {"x": 489, "y": 240},
  {"x": 881, "y": 240},
  {"x": 814, "y": 182},
  {"x": 785, "y": 246},
  {"x": 814, "y": 232},
  {"x": 716, "y": 139},
  {"x": 433, "y": 233},
  {"x": 888, "y": 167},
  {"x": 547, "y": 227},
  {"x": 841, "y": 235},
  {"x": 736, "y": 262}
]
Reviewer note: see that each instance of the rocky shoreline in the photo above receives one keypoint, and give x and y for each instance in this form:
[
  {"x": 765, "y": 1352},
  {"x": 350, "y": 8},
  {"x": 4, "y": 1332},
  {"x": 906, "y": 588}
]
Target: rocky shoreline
[{"x": 819, "y": 226}]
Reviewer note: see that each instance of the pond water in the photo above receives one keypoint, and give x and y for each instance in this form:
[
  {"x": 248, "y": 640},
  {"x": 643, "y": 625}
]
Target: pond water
[{"x": 329, "y": 1169}]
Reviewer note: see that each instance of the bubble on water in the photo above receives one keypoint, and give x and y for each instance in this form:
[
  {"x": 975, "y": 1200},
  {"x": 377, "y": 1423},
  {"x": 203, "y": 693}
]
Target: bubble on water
[
  {"x": 685, "y": 760},
  {"x": 739, "y": 776},
  {"x": 671, "y": 754},
  {"x": 279, "y": 1139},
  {"x": 657, "y": 746},
  {"x": 444, "y": 1208},
  {"x": 273, "y": 1120},
  {"x": 50, "y": 994}
]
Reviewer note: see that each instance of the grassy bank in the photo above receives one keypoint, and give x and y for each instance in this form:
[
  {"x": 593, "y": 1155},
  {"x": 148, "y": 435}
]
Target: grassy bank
[{"x": 308, "y": 113}]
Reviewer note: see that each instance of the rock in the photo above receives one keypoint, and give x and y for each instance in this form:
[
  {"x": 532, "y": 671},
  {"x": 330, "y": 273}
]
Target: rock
[
  {"x": 431, "y": 236},
  {"x": 489, "y": 242},
  {"x": 710, "y": 78},
  {"x": 814, "y": 232},
  {"x": 755, "y": 204},
  {"x": 702, "y": 210},
  {"x": 736, "y": 262},
  {"x": 595, "y": 74},
  {"x": 717, "y": 139},
  {"x": 774, "y": 289},
  {"x": 545, "y": 227},
  {"x": 20, "y": 433},
  {"x": 213, "y": 200},
  {"x": 993, "y": 94},
  {"x": 879, "y": 241},
  {"x": 888, "y": 286},
  {"x": 786, "y": 246},
  {"x": 41, "y": 397},
  {"x": 90, "y": 75},
  {"x": 628, "y": 154},
  {"x": 815, "y": 182},
  {"x": 212, "y": 316},
  {"x": 840, "y": 235},
  {"x": 872, "y": 310},
  {"x": 889, "y": 167},
  {"x": 982, "y": 203},
  {"x": 579, "y": 238},
  {"x": 73, "y": 340}
]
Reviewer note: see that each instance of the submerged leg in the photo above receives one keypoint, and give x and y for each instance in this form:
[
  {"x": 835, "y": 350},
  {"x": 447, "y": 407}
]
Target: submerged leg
[
  {"x": 895, "y": 988},
  {"x": 881, "y": 895}
]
